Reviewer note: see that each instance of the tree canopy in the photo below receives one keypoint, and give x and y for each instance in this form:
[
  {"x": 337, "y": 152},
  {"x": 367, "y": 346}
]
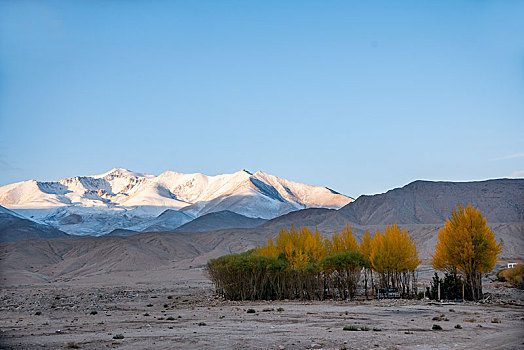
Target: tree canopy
[
  {"x": 467, "y": 245},
  {"x": 303, "y": 264}
]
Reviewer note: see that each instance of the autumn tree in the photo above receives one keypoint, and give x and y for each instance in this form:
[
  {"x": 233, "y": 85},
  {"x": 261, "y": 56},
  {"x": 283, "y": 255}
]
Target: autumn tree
[
  {"x": 300, "y": 247},
  {"x": 343, "y": 241},
  {"x": 468, "y": 246},
  {"x": 394, "y": 257}
]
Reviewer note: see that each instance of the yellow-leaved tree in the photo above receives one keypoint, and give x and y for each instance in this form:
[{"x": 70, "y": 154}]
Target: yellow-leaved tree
[
  {"x": 394, "y": 257},
  {"x": 468, "y": 246},
  {"x": 343, "y": 241},
  {"x": 300, "y": 247}
]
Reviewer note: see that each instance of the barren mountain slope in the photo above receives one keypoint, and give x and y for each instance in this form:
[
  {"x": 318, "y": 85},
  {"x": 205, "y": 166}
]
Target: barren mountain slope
[
  {"x": 220, "y": 220},
  {"x": 423, "y": 202},
  {"x": 14, "y": 227},
  {"x": 103, "y": 259},
  {"x": 420, "y": 202}
]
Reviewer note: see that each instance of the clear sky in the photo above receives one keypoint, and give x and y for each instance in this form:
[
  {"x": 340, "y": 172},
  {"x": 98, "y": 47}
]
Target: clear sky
[{"x": 359, "y": 96}]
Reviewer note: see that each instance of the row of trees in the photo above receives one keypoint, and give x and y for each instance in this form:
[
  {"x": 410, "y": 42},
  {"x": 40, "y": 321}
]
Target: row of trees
[
  {"x": 249, "y": 276},
  {"x": 306, "y": 265}
]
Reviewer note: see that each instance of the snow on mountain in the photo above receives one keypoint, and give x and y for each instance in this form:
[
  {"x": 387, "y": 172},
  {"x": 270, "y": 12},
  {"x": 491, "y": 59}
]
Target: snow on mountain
[{"x": 121, "y": 198}]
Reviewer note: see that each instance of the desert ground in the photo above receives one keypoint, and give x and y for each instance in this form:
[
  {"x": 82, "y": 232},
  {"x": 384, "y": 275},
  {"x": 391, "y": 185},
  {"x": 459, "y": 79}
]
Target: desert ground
[{"x": 185, "y": 313}]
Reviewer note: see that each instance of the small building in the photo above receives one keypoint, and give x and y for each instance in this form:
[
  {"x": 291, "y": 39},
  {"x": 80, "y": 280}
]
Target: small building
[{"x": 512, "y": 265}]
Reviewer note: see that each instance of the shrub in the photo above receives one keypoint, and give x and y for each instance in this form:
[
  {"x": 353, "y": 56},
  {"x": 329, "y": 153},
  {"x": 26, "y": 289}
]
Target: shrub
[
  {"x": 94, "y": 312},
  {"x": 38, "y": 313},
  {"x": 377, "y": 330},
  {"x": 495, "y": 320},
  {"x": 432, "y": 292},
  {"x": 280, "y": 309},
  {"x": 436, "y": 327},
  {"x": 514, "y": 275},
  {"x": 170, "y": 297},
  {"x": 442, "y": 317},
  {"x": 365, "y": 329},
  {"x": 500, "y": 275},
  {"x": 458, "y": 326},
  {"x": 202, "y": 324},
  {"x": 451, "y": 288},
  {"x": 146, "y": 314},
  {"x": 118, "y": 336},
  {"x": 149, "y": 305},
  {"x": 170, "y": 318},
  {"x": 350, "y": 328},
  {"x": 250, "y": 311},
  {"x": 72, "y": 345}
]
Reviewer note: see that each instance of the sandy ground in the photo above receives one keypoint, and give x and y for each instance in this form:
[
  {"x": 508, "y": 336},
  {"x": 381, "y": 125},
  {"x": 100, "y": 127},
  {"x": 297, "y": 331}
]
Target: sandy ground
[{"x": 187, "y": 315}]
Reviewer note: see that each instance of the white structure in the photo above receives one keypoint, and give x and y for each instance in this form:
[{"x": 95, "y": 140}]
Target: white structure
[{"x": 512, "y": 265}]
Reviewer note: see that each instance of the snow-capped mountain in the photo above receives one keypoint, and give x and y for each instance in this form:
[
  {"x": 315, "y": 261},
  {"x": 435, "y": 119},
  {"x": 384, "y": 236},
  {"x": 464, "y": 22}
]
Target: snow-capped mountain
[{"x": 120, "y": 198}]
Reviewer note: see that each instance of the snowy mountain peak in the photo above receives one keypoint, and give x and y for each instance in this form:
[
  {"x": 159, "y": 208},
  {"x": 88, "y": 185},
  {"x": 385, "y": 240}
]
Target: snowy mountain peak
[
  {"x": 121, "y": 198},
  {"x": 120, "y": 172}
]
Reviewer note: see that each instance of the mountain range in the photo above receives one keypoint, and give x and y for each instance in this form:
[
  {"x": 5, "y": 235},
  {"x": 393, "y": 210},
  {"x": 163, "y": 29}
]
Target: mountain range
[
  {"x": 421, "y": 207},
  {"x": 122, "y": 199}
]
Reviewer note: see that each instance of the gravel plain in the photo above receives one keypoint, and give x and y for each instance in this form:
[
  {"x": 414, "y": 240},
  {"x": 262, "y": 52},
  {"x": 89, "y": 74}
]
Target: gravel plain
[{"x": 187, "y": 315}]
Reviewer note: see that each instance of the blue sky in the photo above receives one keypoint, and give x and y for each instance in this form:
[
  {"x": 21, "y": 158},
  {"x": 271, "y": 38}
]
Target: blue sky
[{"x": 359, "y": 96}]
